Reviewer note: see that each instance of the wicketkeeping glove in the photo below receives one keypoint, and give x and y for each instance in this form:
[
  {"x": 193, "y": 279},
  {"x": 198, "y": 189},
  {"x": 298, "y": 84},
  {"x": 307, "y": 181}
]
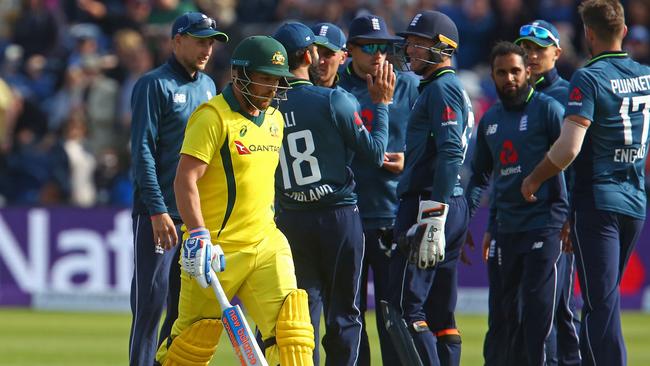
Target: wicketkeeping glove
[
  {"x": 199, "y": 255},
  {"x": 426, "y": 238}
]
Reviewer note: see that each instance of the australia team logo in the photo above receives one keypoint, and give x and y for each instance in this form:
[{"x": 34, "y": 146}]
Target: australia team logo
[
  {"x": 278, "y": 58},
  {"x": 274, "y": 130},
  {"x": 243, "y": 130},
  {"x": 241, "y": 149}
]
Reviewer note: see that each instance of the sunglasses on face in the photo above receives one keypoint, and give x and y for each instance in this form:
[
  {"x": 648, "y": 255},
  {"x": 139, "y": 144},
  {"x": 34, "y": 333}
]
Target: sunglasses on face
[
  {"x": 203, "y": 23},
  {"x": 538, "y": 32},
  {"x": 373, "y": 48}
]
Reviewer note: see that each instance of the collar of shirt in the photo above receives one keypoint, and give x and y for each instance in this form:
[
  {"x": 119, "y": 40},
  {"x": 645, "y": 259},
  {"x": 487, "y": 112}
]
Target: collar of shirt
[
  {"x": 232, "y": 101},
  {"x": 175, "y": 65},
  {"x": 521, "y": 102},
  {"x": 294, "y": 83},
  {"x": 441, "y": 71},
  {"x": 606, "y": 54},
  {"x": 547, "y": 79}
]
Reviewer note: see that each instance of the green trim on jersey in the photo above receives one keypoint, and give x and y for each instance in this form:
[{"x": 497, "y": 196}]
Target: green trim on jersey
[
  {"x": 230, "y": 182},
  {"x": 435, "y": 76},
  {"x": 605, "y": 55},
  {"x": 229, "y": 96},
  {"x": 530, "y": 94},
  {"x": 297, "y": 82}
]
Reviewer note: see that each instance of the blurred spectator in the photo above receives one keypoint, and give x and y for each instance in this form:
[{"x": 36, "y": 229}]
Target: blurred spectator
[
  {"x": 638, "y": 12},
  {"x": 637, "y": 44},
  {"x": 81, "y": 161},
  {"x": 165, "y": 11},
  {"x": 223, "y": 11},
  {"x": 475, "y": 23},
  {"x": 36, "y": 29},
  {"x": 112, "y": 178}
]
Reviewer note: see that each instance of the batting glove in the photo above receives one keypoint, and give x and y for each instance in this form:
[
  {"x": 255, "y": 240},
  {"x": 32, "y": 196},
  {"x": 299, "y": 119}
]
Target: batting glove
[
  {"x": 427, "y": 236},
  {"x": 199, "y": 255}
]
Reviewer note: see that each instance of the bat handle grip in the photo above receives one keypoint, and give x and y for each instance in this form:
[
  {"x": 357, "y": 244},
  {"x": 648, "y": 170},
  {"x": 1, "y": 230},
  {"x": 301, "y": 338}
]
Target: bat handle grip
[{"x": 218, "y": 291}]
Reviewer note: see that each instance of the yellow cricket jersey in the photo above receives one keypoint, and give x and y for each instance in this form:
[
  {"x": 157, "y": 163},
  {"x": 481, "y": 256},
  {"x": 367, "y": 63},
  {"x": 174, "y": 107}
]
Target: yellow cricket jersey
[{"x": 242, "y": 152}]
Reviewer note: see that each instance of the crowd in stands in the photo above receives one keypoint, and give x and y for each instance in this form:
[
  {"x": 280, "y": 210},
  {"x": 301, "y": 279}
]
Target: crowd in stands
[{"x": 67, "y": 68}]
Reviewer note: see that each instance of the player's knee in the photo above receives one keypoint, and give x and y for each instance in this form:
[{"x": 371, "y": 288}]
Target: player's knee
[
  {"x": 294, "y": 334},
  {"x": 448, "y": 336},
  {"x": 195, "y": 345}
]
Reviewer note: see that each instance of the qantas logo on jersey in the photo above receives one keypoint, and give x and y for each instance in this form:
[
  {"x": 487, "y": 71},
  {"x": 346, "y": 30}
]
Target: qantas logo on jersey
[
  {"x": 367, "y": 116},
  {"x": 241, "y": 149},
  {"x": 575, "y": 97}
]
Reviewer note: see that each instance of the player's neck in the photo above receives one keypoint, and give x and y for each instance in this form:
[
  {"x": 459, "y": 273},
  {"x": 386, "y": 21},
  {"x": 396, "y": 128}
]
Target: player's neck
[
  {"x": 301, "y": 72},
  {"x": 600, "y": 47},
  {"x": 435, "y": 67}
]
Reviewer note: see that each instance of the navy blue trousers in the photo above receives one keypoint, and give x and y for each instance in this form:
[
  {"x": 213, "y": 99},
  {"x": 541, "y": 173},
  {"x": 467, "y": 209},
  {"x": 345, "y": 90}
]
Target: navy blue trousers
[
  {"x": 377, "y": 241},
  {"x": 430, "y": 295},
  {"x": 528, "y": 270},
  {"x": 155, "y": 286},
  {"x": 567, "y": 323},
  {"x": 603, "y": 242},
  {"x": 327, "y": 247},
  {"x": 496, "y": 339}
]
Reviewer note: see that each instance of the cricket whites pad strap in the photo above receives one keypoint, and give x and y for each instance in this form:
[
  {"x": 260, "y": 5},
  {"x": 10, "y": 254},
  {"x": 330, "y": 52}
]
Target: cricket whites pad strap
[
  {"x": 294, "y": 334},
  {"x": 195, "y": 345}
]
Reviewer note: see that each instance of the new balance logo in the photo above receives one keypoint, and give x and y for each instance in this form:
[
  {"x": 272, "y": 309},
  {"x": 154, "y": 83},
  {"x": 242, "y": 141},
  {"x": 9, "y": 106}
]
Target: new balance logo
[
  {"x": 538, "y": 245},
  {"x": 375, "y": 24},
  {"x": 415, "y": 20},
  {"x": 241, "y": 149},
  {"x": 491, "y": 129}
]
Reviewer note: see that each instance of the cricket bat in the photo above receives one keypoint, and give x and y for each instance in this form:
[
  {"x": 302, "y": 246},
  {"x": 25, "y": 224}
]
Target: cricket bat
[{"x": 239, "y": 333}]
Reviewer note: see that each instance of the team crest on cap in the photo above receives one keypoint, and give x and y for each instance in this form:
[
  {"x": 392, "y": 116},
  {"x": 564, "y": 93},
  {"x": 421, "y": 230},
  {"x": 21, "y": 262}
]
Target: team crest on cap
[
  {"x": 415, "y": 19},
  {"x": 278, "y": 58}
]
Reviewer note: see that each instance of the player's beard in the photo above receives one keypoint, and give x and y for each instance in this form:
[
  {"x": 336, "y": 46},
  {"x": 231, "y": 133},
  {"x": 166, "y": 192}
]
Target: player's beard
[{"x": 514, "y": 99}]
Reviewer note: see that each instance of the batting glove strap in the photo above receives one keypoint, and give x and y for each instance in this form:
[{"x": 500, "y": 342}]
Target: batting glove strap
[{"x": 427, "y": 236}]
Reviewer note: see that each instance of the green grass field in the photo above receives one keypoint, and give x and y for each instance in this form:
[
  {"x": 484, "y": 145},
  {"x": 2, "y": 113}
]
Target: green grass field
[{"x": 69, "y": 339}]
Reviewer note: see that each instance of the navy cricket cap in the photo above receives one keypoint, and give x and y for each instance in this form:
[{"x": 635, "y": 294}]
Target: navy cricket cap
[
  {"x": 335, "y": 36},
  {"x": 295, "y": 36},
  {"x": 540, "y": 32},
  {"x": 197, "y": 25},
  {"x": 433, "y": 25},
  {"x": 370, "y": 27}
]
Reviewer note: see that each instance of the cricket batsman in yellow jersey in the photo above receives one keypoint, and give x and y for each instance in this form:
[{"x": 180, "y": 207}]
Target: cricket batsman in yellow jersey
[{"x": 225, "y": 193}]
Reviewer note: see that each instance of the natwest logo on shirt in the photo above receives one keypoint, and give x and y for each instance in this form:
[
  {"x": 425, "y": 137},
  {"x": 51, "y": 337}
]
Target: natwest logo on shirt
[
  {"x": 448, "y": 114},
  {"x": 241, "y": 149},
  {"x": 508, "y": 153},
  {"x": 367, "y": 116},
  {"x": 575, "y": 97}
]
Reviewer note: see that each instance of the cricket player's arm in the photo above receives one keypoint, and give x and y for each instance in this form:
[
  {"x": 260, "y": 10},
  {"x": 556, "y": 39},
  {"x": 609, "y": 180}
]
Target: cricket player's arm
[
  {"x": 449, "y": 144},
  {"x": 190, "y": 170},
  {"x": 481, "y": 170},
  {"x": 560, "y": 156}
]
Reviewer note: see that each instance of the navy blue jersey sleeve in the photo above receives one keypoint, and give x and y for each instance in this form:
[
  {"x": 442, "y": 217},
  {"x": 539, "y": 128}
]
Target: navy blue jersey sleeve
[
  {"x": 481, "y": 170},
  {"x": 368, "y": 145},
  {"x": 492, "y": 218},
  {"x": 147, "y": 111},
  {"x": 554, "y": 121},
  {"x": 582, "y": 95},
  {"x": 448, "y": 127}
]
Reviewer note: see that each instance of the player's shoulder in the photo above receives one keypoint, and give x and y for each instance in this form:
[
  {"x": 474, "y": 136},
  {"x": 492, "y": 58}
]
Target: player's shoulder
[
  {"x": 407, "y": 79},
  {"x": 547, "y": 102}
]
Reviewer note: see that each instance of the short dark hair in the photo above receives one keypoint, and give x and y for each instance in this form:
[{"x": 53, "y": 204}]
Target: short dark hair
[
  {"x": 503, "y": 48},
  {"x": 605, "y": 17},
  {"x": 296, "y": 58}
]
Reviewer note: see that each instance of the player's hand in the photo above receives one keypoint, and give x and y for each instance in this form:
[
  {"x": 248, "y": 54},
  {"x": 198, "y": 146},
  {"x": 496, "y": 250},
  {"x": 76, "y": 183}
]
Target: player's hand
[
  {"x": 469, "y": 242},
  {"x": 200, "y": 256},
  {"x": 487, "y": 238},
  {"x": 427, "y": 236},
  {"x": 164, "y": 231},
  {"x": 565, "y": 237},
  {"x": 385, "y": 241},
  {"x": 528, "y": 189},
  {"x": 394, "y": 162},
  {"x": 382, "y": 86}
]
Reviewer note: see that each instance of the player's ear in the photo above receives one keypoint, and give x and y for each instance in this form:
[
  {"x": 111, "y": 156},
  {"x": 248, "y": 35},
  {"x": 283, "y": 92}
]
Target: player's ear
[
  {"x": 558, "y": 52},
  {"x": 344, "y": 57}
]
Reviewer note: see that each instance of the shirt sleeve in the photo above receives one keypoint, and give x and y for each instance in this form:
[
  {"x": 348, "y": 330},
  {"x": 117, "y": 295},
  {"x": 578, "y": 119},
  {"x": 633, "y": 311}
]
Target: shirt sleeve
[
  {"x": 447, "y": 109},
  {"x": 481, "y": 170},
  {"x": 204, "y": 134},
  {"x": 582, "y": 95},
  {"x": 147, "y": 106},
  {"x": 554, "y": 120},
  {"x": 369, "y": 145}
]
